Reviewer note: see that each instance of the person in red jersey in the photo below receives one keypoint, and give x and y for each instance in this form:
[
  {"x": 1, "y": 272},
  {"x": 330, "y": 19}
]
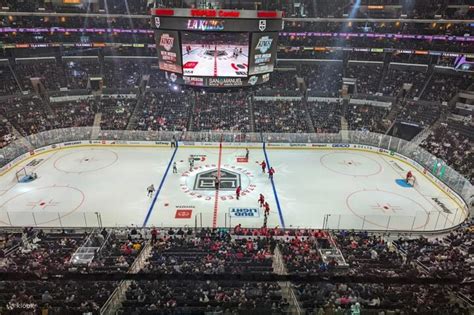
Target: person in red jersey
[
  {"x": 266, "y": 208},
  {"x": 264, "y": 166},
  {"x": 237, "y": 192},
  {"x": 271, "y": 171},
  {"x": 409, "y": 176},
  {"x": 261, "y": 200}
]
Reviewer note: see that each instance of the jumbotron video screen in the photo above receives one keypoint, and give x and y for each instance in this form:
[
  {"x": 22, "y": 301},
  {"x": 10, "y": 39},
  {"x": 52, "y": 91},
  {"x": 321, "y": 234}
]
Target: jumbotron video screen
[
  {"x": 217, "y": 48},
  {"x": 215, "y": 54}
]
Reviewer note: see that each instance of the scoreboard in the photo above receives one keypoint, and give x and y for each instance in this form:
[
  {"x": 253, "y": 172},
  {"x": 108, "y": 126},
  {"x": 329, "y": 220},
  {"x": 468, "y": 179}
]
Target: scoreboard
[{"x": 217, "y": 47}]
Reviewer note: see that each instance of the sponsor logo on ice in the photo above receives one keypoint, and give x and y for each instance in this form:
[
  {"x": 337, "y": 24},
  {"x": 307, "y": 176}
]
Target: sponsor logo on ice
[
  {"x": 206, "y": 180},
  {"x": 183, "y": 214},
  {"x": 244, "y": 212}
]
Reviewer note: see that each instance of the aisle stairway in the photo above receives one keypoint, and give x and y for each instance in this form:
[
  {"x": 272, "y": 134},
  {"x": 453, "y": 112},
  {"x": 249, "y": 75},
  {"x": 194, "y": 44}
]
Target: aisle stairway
[
  {"x": 96, "y": 126},
  {"x": 287, "y": 291},
  {"x": 344, "y": 129}
]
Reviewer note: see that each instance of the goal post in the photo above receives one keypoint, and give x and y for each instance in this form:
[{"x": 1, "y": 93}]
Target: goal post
[
  {"x": 20, "y": 174},
  {"x": 24, "y": 176}
]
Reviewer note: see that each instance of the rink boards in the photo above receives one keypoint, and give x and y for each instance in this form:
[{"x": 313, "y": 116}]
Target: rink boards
[{"x": 316, "y": 185}]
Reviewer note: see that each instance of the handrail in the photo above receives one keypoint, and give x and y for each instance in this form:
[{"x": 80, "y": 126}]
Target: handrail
[
  {"x": 104, "y": 243},
  {"x": 14, "y": 248},
  {"x": 83, "y": 243},
  {"x": 117, "y": 295},
  {"x": 295, "y": 300}
]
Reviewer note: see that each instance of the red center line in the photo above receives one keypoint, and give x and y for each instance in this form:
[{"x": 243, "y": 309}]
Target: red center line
[{"x": 216, "y": 197}]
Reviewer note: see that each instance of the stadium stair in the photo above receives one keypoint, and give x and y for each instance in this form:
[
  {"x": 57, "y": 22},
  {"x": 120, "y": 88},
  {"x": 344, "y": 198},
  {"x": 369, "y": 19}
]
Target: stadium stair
[
  {"x": 115, "y": 300},
  {"x": 418, "y": 139},
  {"x": 15, "y": 77},
  {"x": 96, "y": 126},
  {"x": 309, "y": 121},
  {"x": 193, "y": 107},
  {"x": 392, "y": 115},
  {"x": 132, "y": 122},
  {"x": 431, "y": 73},
  {"x": 344, "y": 129},
  {"x": 14, "y": 131},
  {"x": 251, "y": 116},
  {"x": 385, "y": 70},
  {"x": 287, "y": 291}
]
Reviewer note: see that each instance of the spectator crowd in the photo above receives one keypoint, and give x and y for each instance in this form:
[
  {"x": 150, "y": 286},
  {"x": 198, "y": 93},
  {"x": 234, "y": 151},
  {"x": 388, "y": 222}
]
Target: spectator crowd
[{"x": 369, "y": 260}]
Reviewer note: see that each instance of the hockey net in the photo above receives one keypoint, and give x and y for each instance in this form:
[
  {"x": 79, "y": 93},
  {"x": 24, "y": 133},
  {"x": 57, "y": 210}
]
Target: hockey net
[{"x": 22, "y": 174}]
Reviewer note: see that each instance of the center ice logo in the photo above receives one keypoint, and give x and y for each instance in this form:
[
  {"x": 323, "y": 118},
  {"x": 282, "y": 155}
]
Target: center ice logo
[
  {"x": 264, "y": 44},
  {"x": 229, "y": 180},
  {"x": 166, "y": 41}
]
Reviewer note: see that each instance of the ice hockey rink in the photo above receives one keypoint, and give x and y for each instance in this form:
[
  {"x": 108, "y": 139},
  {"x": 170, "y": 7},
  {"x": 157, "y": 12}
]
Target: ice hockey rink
[
  {"x": 216, "y": 61},
  {"x": 312, "y": 188}
]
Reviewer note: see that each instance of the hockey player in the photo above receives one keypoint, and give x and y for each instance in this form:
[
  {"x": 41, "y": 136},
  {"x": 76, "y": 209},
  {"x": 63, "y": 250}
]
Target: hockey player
[
  {"x": 409, "y": 176},
  {"x": 271, "y": 171},
  {"x": 266, "y": 208},
  {"x": 175, "y": 168},
  {"x": 236, "y": 53},
  {"x": 216, "y": 183},
  {"x": 264, "y": 166},
  {"x": 247, "y": 154},
  {"x": 150, "y": 189},
  {"x": 261, "y": 200},
  {"x": 191, "y": 163},
  {"x": 237, "y": 192}
]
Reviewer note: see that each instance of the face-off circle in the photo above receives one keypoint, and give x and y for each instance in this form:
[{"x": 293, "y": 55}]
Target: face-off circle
[
  {"x": 85, "y": 161},
  {"x": 371, "y": 204},
  {"x": 44, "y": 203},
  {"x": 350, "y": 164},
  {"x": 200, "y": 182}
]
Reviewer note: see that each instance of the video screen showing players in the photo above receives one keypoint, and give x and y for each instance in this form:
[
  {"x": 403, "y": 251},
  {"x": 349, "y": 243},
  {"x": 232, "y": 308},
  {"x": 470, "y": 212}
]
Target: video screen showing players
[{"x": 215, "y": 54}]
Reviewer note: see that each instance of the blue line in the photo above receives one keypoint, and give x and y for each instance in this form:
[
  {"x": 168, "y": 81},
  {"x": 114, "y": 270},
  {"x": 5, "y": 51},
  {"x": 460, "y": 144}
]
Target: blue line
[
  {"x": 274, "y": 189},
  {"x": 150, "y": 210}
]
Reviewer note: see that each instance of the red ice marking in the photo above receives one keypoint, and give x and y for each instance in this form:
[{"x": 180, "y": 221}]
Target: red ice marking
[{"x": 216, "y": 202}]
